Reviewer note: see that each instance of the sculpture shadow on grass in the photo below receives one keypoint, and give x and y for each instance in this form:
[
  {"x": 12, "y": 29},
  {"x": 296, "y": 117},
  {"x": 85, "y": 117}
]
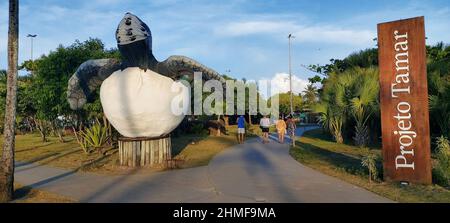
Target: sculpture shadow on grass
[
  {"x": 34, "y": 160},
  {"x": 54, "y": 156},
  {"x": 34, "y": 147}
]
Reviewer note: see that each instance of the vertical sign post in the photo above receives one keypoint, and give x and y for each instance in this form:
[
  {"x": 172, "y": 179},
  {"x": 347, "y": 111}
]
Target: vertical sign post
[{"x": 404, "y": 101}]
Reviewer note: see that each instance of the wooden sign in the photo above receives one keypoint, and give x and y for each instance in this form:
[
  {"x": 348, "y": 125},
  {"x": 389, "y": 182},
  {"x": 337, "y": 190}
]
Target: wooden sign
[{"x": 404, "y": 101}]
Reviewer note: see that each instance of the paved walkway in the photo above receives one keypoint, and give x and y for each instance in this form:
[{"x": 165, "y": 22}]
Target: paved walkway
[{"x": 251, "y": 172}]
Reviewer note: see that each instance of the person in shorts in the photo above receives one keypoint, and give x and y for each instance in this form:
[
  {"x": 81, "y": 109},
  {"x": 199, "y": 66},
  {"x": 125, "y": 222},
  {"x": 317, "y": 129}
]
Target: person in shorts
[
  {"x": 291, "y": 127},
  {"x": 241, "y": 129},
  {"x": 281, "y": 129},
  {"x": 264, "y": 123}
]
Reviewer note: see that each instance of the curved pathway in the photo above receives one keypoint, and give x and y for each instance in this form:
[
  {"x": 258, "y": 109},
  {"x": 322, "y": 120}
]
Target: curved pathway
[{"x": 251, "y": 172}]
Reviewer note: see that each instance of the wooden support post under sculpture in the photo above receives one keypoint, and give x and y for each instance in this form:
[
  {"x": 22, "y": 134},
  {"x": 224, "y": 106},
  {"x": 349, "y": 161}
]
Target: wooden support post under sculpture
[
  {"x": 137, "y": 93},
  {"x": 144, "y": 151}
]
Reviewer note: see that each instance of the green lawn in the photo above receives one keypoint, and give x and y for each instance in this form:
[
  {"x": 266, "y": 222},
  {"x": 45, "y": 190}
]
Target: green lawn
[{"x": 316, "y": 150}]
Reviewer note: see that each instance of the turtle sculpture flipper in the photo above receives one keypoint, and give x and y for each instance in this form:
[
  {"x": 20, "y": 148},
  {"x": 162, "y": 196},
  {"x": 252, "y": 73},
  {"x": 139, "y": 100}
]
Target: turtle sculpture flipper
[
  {"x": 88, "y": 77},
  {"x": 134, "y": 41},
  {"x": 177, "y": 67}
]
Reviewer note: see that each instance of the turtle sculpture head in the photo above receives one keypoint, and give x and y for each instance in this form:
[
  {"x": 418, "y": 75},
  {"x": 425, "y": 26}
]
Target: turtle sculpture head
[
  {"x": 131, "y": 29},
  {"x": 134, "y": 40},
  {"x": 137, "y": 92}
]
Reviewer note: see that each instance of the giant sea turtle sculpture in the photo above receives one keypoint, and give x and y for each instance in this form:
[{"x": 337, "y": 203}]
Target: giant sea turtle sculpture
[{"x": 136, "y": 93}]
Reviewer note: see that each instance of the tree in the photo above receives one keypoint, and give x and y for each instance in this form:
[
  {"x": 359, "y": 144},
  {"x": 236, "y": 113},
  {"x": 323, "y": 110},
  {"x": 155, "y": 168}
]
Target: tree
[
  {"x": 315, "y": 79},
  {"x": 350, "y": 97},
  {"x": 26, "y": 108},
  {"x": 334, "y": 107},
  {"x": 364, "y": 59},
  {"x": 439, "y": 89},
  {"x": 25, "y": 105},
  {"x": 7, "y": 167},
  {"x": 310, "y": 96},
  {"x": 365, "y": 103},
  {"x": 50, "y": 76},
  {"x": 284, "y": 102}
]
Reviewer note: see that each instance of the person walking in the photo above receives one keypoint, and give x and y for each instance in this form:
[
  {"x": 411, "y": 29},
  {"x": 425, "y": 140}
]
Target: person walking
[
  {"x": 281, "y": 129},
  {"x": 291, "y": 128},
  {"x": 241, "y": 129},
  {"x": 264, "y": 123}
]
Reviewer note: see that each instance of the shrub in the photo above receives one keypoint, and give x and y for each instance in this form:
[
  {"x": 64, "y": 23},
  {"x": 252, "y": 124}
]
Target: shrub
[
  {"x": 198, "y": 128},
  {"x": 441, "y": 171},
  {"x": 370, "y": 162},
  {"x": 94, "y": 137}
]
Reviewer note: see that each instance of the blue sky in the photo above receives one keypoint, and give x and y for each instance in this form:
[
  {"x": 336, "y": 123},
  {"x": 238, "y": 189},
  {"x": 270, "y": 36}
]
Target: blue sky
[{"x": 247, "y": 37}]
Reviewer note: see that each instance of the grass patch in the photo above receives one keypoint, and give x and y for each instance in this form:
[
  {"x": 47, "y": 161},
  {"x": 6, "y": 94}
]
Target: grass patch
[
  {"x": 28, "y": 195},
  {"x": 316, "y": 150},
  {"x": 199, "y": 150},
  {"x": 67, "y": 155}
]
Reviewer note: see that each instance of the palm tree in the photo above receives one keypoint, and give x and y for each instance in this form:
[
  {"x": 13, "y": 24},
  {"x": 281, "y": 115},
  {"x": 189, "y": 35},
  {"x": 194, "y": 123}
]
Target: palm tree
[
  {"x": 365, "y": 103},
  {"x": 7, "y": 165},
  {"x": 333, "y": 108},
  {"x": 349, "y": 96},
  {"x": 310, "y": 95}
]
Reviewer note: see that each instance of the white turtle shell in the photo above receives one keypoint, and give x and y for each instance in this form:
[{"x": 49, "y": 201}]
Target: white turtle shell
[{"x": 142, "y": 103}]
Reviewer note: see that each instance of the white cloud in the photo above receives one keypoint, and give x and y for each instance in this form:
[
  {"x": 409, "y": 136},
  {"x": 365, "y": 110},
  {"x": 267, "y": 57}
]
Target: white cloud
[
  {"x": 280, "y": 84},
  {"x": 315, "y": 34},
  {"x": 253, "y": 27},
  {"x": 335, "y": 35}
]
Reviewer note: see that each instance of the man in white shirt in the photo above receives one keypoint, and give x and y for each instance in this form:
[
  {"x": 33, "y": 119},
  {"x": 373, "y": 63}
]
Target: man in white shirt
[{"x": 264, "y": 123}]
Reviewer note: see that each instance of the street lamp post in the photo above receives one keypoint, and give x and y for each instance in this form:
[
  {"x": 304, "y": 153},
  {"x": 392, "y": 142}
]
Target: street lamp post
[
  {"x": 290, "y": 75},
  {"x": 290, "y": 89},
  {"x": 31, "y": 36},
  {"x": 228, "y": 72}
]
